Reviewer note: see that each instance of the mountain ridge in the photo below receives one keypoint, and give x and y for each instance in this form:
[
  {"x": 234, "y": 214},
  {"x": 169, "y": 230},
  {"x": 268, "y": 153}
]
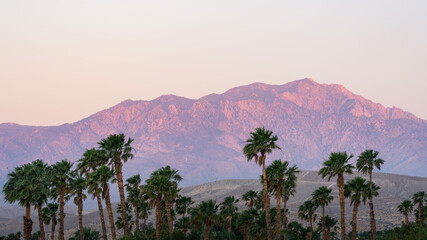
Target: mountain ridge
[{"x": 203, "y": 137}]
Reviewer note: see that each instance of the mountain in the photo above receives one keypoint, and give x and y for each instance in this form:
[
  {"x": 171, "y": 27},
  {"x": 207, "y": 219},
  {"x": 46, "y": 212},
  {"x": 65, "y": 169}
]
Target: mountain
[{"x": 203, "y": 138}]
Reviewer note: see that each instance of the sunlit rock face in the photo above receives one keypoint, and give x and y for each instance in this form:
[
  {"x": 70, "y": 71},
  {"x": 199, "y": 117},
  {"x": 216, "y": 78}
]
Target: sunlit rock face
[{"x": 203, "y": 138}]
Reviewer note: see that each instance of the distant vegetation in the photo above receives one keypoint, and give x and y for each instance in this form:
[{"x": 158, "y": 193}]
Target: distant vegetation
[{"x": 48, "y": 188}]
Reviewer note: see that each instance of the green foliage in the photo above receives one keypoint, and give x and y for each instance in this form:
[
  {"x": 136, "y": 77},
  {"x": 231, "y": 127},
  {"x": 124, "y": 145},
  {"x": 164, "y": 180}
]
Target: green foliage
[
  {"x": 88, "y": 234},
  {"x": 12, "y": 236},
  {"x": 412, "y": 231}
]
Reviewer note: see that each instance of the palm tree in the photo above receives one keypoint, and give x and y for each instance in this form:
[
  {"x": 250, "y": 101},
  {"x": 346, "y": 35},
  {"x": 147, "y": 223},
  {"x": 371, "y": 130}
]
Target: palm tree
[
  {"x": 144, "y": 212},
  {"x": 171, "y": 194},
  {"x": 42, "y": 181},
  {"x": 257, "y": 147},
  {"x": 365, "y": 163},
  {"x": 245, "y": 221},
  {"x": 77, "y": 186},
  {"x": 275, "y": 173},
  {"x": 132, "y": 188},
  {"x": 307, "y": 212},
  {"x": 358, "y": 191},
  {"x": 92, "y": 159},
  {"x": 250, "y": 197},
  {"x": 228, "y": 209},
  {"x": 289, "y": 189},
  {"x": 118, "y": 149},
  {"x": 98, "y": 185},
  {"x": 337, "y": 165},
  {"x": 205, "y": 213},
  {"x": 419, "y": 198},
  {"x": 182, "y": 205},
  {"x": 405, "y": 208},
  {"x": 330, "y": 227},
  {"x": 322, "y": 197},
  {"x": 154, "y": 190},
  {"x": 49, "y": 215},
  {"x": 61, "y": 176},
  {"x": 21, "y": 187}
]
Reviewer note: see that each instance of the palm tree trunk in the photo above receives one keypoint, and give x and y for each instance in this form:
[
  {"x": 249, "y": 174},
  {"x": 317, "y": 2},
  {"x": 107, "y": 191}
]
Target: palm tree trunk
[
  {"x": 143, "y": 229},
  {"x": 323, "y": 223},
  {"x": 266, "y": 200},
  {"x": 118, "y": 166},
  {"x": 311, "y": 228},
  {"x": 406, "y": 219},
  {"x": 136, "y": 219},
  {"x": 340, "y": 183},
  {"x": 158, "y": 216},
  {"x": 278, "y": 215},
  {"x": 109, "y": 210},
  {"x": 101, "y": 215},
  {"x": 52, "y": 230},
  {"x": 80, "y": 210},
  {"x": 229, "y": 218},
  {"x": 206, "y": 231},
  {"x": 371, "y": 211},
  {"x": 41, "y": 226},
  {"x": 285, "y": 218},
  {"x": 61, "y": 213},
  {"x": 354, "y": 231},
  {"x": 28, "y": 223},
  {"x": 168, "y": 214},
  {"x": 420, "y": 209}
]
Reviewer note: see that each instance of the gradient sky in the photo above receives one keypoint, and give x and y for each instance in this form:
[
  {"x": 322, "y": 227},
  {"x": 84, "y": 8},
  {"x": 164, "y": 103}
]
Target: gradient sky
[{"x": 61, "y": 61}]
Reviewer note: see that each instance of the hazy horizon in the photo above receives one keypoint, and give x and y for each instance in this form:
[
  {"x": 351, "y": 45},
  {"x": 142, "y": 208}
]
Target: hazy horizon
[{"x": 63, "y": 61}]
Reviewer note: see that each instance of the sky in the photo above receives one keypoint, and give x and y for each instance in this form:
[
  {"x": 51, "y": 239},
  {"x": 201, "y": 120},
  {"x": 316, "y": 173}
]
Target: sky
[{"x": 61, "y": 61}]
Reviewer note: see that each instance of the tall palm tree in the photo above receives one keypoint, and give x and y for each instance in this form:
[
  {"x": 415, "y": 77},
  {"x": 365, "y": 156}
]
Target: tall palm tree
[
  {"x": 205, "y": 214},
  {"x": 337, "y": 165},
  {"x": 61, "y": 176},
  {"x": 257, "y": 147},
  {"x": 419, "y": 198},
  {"x": 228, "y": 209},
  {"x": 405, "y": 208},
  {"x": 365, "y": 163},
  {"x": 358, "y": 191},
  {"x": 182, "y": 205},
  {"x": 275, "y": 173},
  {"x": 98, "y": 185},
  {"x": 21, "y": 187},
  {"x": 154, "y": 190},
  {"x": 289, "y": 189},
  {"x": 307, "y": 212},
  {"x": 118, "y": 149},
  {"x": 171, "y": 193},
  {"x": 91, "y": 160},
  {"x": 77, "y": 186},
  {"x": 50, "y": 215},
  {"x": 250, "y": 197},
  {"x": 322, "y": 197},
  {"x": 132, "y": 188}
]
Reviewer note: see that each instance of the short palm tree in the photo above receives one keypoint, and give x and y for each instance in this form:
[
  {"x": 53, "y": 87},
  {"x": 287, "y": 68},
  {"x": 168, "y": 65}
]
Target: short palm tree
[
  {"x": 205, "y": 214},
  {"x": 307, "y": 212},
  {"x": 419, "y": 198},
  {"x": 228, "y": 209},
  {"x": 50, "y": 215},
  {"x": 289, "y": 189},
  {"x": 322, "y": 197},
  {"x": 41, "y": 171},
  {"x": 182, "y": 205},
  {"x": 61, "y": 176},
  {"x": 250, "y": 197},
  {"x": 275, "y": 173},
  {"x": 245, "y": 220},
  {"x": 405, "y": 208},
  {"x": 91, "y": 160},
  {"x": 133, "y": 191},
  {"x": 358, "y": 191},
  {"x": 118, "y": 151},
  {"x": 77, "y": 186},
  {"x": 22, "y": 187},
  {"x": 261, "y": 143},
  {"x": 337, "y": 165},
  {"x": 367, "y": 161},
  {"x": 98, "y": 185},
  {"x": 330, "y": 227}
]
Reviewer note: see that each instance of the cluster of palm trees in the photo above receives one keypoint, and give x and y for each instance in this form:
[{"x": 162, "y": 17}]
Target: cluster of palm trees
[{"x": 419, "y": 201}]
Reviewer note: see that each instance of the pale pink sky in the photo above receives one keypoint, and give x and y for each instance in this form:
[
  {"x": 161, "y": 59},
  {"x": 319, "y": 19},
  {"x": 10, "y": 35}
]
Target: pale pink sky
[{"x": 61, "y": 61}]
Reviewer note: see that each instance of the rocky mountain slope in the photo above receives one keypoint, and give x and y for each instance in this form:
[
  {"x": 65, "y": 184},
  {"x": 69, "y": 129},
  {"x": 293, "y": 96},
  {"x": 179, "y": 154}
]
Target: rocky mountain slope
[{"x": 203, "y": 138}]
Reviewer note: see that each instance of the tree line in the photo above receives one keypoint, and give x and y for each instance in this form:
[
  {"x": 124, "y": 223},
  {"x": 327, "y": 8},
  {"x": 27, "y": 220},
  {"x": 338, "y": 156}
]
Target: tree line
[{"x": 48, "y": 187}]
